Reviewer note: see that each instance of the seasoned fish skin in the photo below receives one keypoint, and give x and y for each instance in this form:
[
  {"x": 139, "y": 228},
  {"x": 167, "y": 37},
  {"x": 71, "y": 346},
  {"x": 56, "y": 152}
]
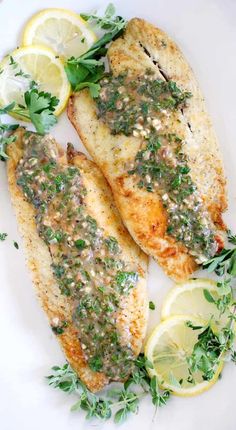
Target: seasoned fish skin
[
  {"x": 132, "y": 317},
  {"x": 145, "y": 47}
]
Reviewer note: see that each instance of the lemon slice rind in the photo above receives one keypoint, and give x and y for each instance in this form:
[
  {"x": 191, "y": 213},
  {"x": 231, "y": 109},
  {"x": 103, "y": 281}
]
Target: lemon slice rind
[
  {"x": 43, "y": 66},
  {"x": 157, "y": 336},
  {"x": 62, "y": 30},
  {"x": 188, "y": 297}
]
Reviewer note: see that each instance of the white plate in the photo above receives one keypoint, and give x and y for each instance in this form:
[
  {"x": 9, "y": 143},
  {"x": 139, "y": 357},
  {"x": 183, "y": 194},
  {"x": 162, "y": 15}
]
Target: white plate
[{"x": 206, "y": 32}]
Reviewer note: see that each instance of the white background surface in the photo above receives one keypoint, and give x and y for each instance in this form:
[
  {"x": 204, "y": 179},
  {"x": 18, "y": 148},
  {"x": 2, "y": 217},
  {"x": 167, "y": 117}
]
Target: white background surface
[{"x": 206, "y": 32}]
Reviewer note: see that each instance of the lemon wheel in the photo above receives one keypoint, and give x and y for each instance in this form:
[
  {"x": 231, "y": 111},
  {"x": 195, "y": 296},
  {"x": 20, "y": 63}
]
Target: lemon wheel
[
  {"x": 61, "y": 30},
  {"x": 33, "y": 63},
  {"x": 189, "y": 298},
  {"x": 168, "y": 349}
]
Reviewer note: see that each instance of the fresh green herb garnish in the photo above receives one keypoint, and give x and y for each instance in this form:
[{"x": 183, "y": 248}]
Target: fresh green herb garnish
[
  {"x": 5, "y": 130},
  {"x": 95, "y": 363},
  {"x": 211, "y": 348},
  {"x": 231, "y": 237},
  {"x": 15, "y": 66},
  {"x": 39, "y": 109},
  {"x": 112, "y": 244},
  {"x": 125, "y": 281},
  {"x": 12, "y": 62},
  {"x": 224, "y": 265},
  {"x": 80, "y": 244},
  {"x": 21, "y": 73},
  {"x": 3, "y": 236},
  {"x": 233, "y": 357},
  {"x": 152, "y": 306},
  {"x": 225, "y": 261},
  {"x": 118, "y": 402},
  {"x": 108, "y": 22},
  {"x": 88, "y": 69},
  {"x": 59, "y": 329},
  {"x": 16, "y": 244}
]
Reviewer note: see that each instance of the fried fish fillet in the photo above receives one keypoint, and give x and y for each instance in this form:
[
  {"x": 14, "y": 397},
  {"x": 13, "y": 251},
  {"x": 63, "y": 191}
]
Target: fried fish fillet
[
  {"x": 131, "y": 317},
  {"x": 145, "y": 47}
]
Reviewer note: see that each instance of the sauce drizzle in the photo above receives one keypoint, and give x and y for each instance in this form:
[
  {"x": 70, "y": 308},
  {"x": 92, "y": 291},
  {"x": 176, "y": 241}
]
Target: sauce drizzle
[
  {"x": 142, "y": 108},
  {"x": 86, "y": 263}
]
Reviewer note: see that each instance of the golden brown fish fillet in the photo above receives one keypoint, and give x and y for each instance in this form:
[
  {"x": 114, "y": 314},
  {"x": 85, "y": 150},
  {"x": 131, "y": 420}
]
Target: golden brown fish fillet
[
  {"x": 132, "y": 317},
  {"x": 145, "y": 47}
]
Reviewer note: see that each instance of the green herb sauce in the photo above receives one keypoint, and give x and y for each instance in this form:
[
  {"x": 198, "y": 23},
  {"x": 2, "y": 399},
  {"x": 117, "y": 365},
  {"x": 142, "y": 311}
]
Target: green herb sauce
[
  {"x": 140, "y": 107},
  {"x": 87, "y": 264}
]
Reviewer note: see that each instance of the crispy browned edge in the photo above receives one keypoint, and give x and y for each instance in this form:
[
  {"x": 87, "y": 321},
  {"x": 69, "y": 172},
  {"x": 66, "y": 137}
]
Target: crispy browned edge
[
  {"x": 174, "y": 258},
  {"x": 39, "y": 262}
]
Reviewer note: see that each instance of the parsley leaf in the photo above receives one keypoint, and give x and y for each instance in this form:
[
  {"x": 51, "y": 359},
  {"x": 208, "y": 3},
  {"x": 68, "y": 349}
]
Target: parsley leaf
[
  {"x": 41, "y": 106},
  {"x": 93, "y": 88},
  {"x": 152, "y": 306},
  {"x": 39, "y": 109},
  {"x": 112, "y": 244},
  {"x": 86, "y": 70},
  {"x": 125, "y": 281},
  {"x": 95, "y": 363},
  {"x": 80, "y": 244},
  {"x": 3, "y": 236},
  {"x": 16, "y": 244},
  {"x": 59, "y": 329}
]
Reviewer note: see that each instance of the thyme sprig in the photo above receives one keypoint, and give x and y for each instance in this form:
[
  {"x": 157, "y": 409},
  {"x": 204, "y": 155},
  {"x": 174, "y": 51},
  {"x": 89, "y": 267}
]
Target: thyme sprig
[
  {"x": 211, "y": 348},
  {"x": 118, "y": 403},
  {"x": 107, "y": 22},
  {"x": 5, "y": 131},
  {"x": 224, "y": 266}
]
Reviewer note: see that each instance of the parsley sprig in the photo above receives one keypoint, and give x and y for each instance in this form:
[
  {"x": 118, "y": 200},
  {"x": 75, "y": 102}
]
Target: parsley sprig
[
  {"x": 88, "y": 69},
  {"x": 39, "y": 108},
  {"x": 118, "y": 402}
]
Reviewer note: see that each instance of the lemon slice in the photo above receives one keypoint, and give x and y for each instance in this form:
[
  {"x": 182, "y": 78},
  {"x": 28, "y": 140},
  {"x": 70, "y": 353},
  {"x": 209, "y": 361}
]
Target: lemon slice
[
  {"x": 168, "y": 348},
  {"x": 62, "y": 30},
  {"x": 189, "y": 297},
  {"x": 33, "y": 63}
]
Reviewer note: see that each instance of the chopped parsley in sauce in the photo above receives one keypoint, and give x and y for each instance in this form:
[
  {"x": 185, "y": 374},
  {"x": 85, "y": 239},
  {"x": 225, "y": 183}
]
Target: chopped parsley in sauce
[
  {"x": 86, "y": 263},
  {"x": 3, "y": 236},
  {"x": 142, "y": 108}
]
